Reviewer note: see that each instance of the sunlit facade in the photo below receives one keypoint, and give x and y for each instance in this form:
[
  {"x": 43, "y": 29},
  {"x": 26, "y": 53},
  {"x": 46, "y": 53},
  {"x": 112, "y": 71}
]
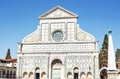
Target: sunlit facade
[{"x": 58, "y": 49}]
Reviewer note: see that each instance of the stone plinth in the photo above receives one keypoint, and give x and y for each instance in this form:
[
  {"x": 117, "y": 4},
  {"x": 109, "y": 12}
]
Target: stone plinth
[{"x": 112, "y": 74}]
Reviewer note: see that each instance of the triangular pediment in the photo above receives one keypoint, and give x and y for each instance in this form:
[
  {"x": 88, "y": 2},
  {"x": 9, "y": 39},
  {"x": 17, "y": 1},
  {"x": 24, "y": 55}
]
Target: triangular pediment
[{"x": 58, "y": 12}]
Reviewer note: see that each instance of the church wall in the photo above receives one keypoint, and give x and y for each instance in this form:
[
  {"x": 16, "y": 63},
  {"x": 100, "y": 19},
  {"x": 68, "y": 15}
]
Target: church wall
[
  {"x": 46, "y": 56},
  {"x": 84, "y": 63},
  {"x": 58, "y": 20},
  {"x": 58, "y": 47},
  {"x": 29, "y": 63},
  {"x": 82, "y": 60}
]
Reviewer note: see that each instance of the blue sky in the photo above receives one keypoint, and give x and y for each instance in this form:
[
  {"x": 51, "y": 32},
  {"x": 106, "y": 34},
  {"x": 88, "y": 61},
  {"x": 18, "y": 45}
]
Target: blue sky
[{"x": 19, "y": 18}]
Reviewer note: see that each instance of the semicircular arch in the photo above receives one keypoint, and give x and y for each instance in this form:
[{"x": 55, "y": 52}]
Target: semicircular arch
[
  {"x": 25, "y": 75},
  {"x": 103, "y": 73},
  {"x": 103, "y": 69}
]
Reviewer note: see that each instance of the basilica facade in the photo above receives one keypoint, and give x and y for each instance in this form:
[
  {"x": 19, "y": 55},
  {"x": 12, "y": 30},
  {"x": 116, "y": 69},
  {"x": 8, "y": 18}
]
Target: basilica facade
[{"x": 58, "y": 49}]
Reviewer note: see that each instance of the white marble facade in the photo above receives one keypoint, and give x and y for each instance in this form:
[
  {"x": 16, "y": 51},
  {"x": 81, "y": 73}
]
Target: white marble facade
[{"x": 58, "y": 49}]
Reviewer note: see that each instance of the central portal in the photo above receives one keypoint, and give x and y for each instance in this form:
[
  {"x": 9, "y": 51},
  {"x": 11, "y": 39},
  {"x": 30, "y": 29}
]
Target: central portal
[{"x": 56, "y": 69}]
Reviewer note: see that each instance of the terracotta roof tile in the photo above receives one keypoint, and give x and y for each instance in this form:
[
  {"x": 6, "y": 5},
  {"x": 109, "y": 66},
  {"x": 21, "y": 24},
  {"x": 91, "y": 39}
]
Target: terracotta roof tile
[{"x": 11, "y": 60}]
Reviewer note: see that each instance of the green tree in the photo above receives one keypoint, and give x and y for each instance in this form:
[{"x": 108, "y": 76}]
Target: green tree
[
  {"x": 118, "y": 58},
  {"x": 117, "y": 53},
  {"x": 8, "y": 56},
  {"x": 103, "y": 56},
  {"x": 105, "y": 42}
]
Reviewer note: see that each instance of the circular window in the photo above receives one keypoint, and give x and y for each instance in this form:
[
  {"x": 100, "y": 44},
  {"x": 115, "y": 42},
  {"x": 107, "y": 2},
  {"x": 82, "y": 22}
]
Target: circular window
[{"x": 57, "y": 36}]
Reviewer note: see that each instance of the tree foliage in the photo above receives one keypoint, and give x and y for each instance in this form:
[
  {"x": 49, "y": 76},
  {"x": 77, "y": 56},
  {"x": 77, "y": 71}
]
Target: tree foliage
[
  {"x": 118, "y": 55},
  {"x": 118, "y": 58},
  {"x": 8, "y": 55},
  {"x": 103, "y": 56},
  {"x": 105, "y": 42}
]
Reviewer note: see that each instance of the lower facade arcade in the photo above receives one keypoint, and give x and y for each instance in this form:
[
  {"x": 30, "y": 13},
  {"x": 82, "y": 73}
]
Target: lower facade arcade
[{"x": 58, "y": 67}]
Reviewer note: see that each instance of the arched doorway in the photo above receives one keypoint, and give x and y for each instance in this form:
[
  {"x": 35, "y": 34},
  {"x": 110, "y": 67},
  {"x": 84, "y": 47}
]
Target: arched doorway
[
  {"x": 76, "y": 73},
  {"x": 37, "y": 73},
  {"x": 31, "y": 75},
  {"x": 69, "y": 75},
  {"x": 25, "y": 75},
  {"x": 103, "y": 73},
  {"x": 56, "y": 69},
  {"x": 89, "y": 75},
  {"x": 43, "y": 75},
  {"x": 82, "y": 75}
]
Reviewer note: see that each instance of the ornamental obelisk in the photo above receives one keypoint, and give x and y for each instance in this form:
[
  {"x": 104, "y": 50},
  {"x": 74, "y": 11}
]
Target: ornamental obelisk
[
  {"x": 111, "y": 53},
  {"x": 112, "y": 72}
]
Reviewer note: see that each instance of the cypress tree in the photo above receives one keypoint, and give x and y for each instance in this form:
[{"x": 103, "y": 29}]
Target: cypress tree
[
  {"x": 118, "y": 58},
  {"x": 8, "y": 56},
  {"x": 103, "y": 56},
  {"x": 105, "y": 42}
]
